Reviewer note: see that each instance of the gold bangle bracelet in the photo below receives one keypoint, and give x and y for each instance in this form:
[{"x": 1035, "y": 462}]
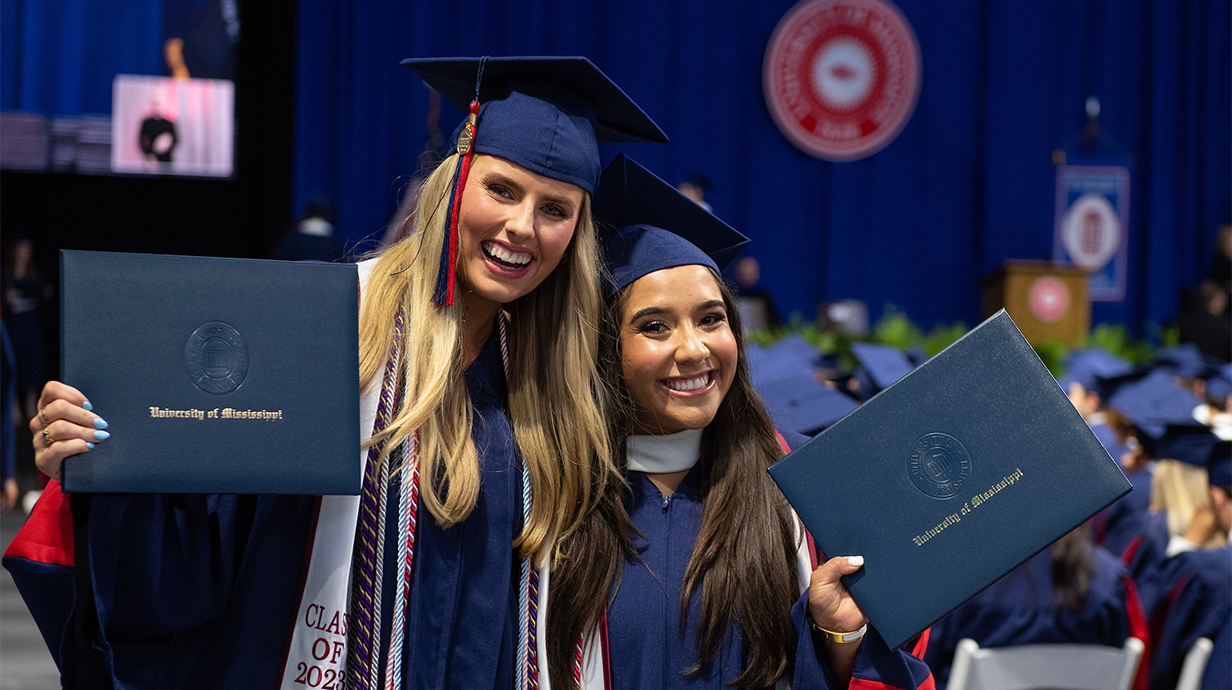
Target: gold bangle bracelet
[{"x": 838, "y": 637}]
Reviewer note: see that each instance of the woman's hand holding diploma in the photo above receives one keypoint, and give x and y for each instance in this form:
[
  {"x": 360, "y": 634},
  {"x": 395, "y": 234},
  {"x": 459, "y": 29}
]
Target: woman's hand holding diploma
[
  {"x": 64, "y": 426},
  {"x": 833, "y": 610}
]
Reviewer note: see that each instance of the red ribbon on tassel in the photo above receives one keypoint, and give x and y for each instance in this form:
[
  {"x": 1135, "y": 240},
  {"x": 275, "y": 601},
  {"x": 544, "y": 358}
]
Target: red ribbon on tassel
[{"x": 446, "y": 276}]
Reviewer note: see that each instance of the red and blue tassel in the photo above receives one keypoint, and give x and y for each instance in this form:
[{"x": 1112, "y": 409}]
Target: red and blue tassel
[{"x": 446, "y": 274}]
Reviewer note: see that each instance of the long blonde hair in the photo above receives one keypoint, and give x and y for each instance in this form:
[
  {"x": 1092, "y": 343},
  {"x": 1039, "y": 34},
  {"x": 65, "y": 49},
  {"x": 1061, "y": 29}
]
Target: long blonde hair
[
  {"x": 1182, "y": 489},
  {"x": 555, "y": 410}
]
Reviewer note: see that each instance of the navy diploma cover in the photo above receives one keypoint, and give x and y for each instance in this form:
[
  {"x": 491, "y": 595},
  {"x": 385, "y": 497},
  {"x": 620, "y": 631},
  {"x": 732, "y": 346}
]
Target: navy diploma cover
[
  {"x": 949, "y": 479},
  {"x": 215, "y": 375}
]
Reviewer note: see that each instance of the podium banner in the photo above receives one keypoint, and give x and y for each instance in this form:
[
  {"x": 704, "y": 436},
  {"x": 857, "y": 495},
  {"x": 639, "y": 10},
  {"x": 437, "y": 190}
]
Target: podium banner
[{"x": 1092, "y": 226}]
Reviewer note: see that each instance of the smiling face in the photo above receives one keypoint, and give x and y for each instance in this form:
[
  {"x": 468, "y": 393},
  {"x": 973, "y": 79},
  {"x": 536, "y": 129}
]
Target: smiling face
[
  {"x": 678, "y": 352},
  {"x": 513, "y": 228}
]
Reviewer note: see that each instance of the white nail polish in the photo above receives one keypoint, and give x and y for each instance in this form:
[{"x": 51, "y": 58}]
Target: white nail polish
[{"x": 856, "y": 561}]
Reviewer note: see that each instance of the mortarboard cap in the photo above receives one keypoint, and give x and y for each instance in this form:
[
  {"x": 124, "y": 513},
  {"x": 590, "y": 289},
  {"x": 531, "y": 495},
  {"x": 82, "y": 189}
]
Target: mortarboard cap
[
  {"x": 916, "y": 355},
  {"x": 1219, "y": 386},
  {"x": 803, "y": 405},
  {"x": 883, "y": 364},
  {"x": 697, "y": 180},
  {"x": 1219, "y": 465},
  {"x": 765, "y": 363},
  {"x": 1108, "y": 439},
  {"x": 652, "y": 226},
  {"x": 1189, "y": 444},
  {"x": 794, "y": 346},
  {"x": 1185, "y": 361},
  {"x": 1093, "y": 369},
  {"x": 543, "y": 113},
  {"x": 546, "y": 114},
  {"x": 791, "y": 356},
  {"x": 1155, "y": 401}
]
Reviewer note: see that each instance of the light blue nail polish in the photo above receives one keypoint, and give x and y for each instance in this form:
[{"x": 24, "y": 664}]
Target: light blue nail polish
[
  {"x": 87, "y": 406},
  {"x": 100, "y": 423},
  {"x": 102, "y": 435},
  {"x": 89, "y": 445}
]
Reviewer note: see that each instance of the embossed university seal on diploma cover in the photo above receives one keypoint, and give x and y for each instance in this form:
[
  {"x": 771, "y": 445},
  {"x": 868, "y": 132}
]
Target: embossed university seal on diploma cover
[
  {"x": 215, "y": 375},
  {"x": 949, "y": 479}
]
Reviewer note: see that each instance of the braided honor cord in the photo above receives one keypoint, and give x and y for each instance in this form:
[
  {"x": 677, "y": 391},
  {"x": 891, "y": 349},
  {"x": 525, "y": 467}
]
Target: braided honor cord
[{"x": 364, "y": 577}]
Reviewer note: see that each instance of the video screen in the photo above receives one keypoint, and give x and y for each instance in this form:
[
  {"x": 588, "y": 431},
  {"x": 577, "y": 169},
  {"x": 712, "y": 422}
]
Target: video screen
[
  {"x": 172, "y": 126},
  {"x": 150, "y": 92}
]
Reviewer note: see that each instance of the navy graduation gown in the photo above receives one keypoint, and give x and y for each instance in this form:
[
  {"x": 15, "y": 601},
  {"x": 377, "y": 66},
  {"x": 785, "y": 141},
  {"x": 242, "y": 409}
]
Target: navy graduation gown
[
  {"x": 462, "y": 615},
  {"x": 1117, "y": 525},
  {"x": 200, "y": 591},
  {"x": 645, "y": 647},
  {"x": 1197, "y": 603},
  {"x": 1019, "y": 609}
]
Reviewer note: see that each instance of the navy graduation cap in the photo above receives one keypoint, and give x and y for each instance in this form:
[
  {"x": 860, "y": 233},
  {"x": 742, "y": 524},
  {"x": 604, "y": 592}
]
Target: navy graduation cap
[
  {"x": 1219, "y": 386},
  {"x": 1186, "y": 361},
  {"x": 1092, "y": 368},
  {"x": 650, "y": 226},
  {"x": 1155, "y": 401},
  {"x": 790, "y": 356},
  {"x": 1219, "y": 466},
  {"x": 803, "y": 405},
  {"x": 1189, "y": 444},
  {"x": 546, "y": 114},
  {"x": 881, "y": 365}
]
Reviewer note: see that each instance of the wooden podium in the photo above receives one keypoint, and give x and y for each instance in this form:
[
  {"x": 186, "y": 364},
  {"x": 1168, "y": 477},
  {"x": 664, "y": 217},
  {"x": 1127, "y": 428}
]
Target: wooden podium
[{"x": 1047, "y": 301}]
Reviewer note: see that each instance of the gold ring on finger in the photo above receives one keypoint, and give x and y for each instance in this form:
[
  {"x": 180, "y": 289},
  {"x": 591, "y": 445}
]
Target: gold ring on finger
[{"x": 47, "y": 437}]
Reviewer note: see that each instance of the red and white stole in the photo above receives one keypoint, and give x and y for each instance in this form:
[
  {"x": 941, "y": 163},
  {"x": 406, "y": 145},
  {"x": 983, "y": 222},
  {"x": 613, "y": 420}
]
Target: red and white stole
[{"x": 316, "y": 652}]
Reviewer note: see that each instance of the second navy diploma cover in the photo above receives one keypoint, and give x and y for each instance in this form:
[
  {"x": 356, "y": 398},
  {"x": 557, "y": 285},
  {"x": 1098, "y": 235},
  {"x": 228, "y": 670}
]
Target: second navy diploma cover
[
  {"x": 949, "y": 479},
  {"x": 214, "y": 375}
]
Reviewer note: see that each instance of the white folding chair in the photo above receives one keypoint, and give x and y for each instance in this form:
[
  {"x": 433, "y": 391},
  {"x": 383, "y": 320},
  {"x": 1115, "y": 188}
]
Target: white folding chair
[
  {"x": 1195, "y": 664},
  {"x": 1026, "y": 667}
]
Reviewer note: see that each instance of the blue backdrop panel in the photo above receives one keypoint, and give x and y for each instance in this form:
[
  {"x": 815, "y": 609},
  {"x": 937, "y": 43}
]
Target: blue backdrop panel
[
  {"x": 968, "y": 184},
  {"x": 59, "y": 56}
]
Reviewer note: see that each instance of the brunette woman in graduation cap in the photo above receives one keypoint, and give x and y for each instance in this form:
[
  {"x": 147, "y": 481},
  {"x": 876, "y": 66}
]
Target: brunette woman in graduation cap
[
  {"x": 696, "y": 573},
  {"x": 478, "y": 339}
]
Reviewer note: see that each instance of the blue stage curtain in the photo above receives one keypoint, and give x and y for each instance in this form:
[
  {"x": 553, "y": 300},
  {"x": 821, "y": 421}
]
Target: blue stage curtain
[
  {"x": 968, "y": 184},
  {"x": 59, "y": 57}
]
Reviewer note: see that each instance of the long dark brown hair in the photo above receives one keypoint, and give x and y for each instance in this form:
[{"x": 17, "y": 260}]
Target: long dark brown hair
[
  {"x": 1073, "y": 566},
  {"x": 744, "y": 560}
]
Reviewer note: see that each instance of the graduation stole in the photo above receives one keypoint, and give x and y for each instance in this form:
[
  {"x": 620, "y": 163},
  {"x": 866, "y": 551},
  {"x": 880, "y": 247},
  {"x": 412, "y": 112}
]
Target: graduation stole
[{"x": 364, "y": 621}]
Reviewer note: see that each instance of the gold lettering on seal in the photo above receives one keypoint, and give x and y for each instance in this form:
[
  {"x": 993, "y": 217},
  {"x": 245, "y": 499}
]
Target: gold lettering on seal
[
  {"x": 975, "y": 502},
  {"x": 216, "y": 413}
]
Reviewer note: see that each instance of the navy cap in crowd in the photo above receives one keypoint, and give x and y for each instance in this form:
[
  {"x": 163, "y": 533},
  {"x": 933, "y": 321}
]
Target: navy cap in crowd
[
  {"x": 1155, "y": 401},
  {"x": 1193, "y": 445},
  {"x": 647, "y": 226},
  {"x": 1219, "y": 466},
  {"x": 1092, "y": 369},
  {"x": 543, "y": 113},
  {"x": 765, "y": 364},
  {"x": 917, "y": 355},
  {"x": 1219, "y": 386},
  {"x": 1186, "y": 361},
  {"x": 880, "y": 366},
  {"x": 803, "y": 405}
]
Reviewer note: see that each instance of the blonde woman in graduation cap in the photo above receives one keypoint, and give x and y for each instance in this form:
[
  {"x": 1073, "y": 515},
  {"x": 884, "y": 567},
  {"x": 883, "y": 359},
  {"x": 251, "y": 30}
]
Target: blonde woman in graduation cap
[
  {"x": 484, "y": 441},
  {"x": 696, "y": 573}
]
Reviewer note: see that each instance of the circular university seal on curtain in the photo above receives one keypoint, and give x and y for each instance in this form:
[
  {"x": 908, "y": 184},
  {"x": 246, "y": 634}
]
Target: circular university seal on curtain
[
  {"x": 217, "y": 357},
  {"x": 1091, "y": 232},
  {"x": 938, "y": 465},
  {"x": 1048, "y": 299},
  {"x": 841, "y": 77}
]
